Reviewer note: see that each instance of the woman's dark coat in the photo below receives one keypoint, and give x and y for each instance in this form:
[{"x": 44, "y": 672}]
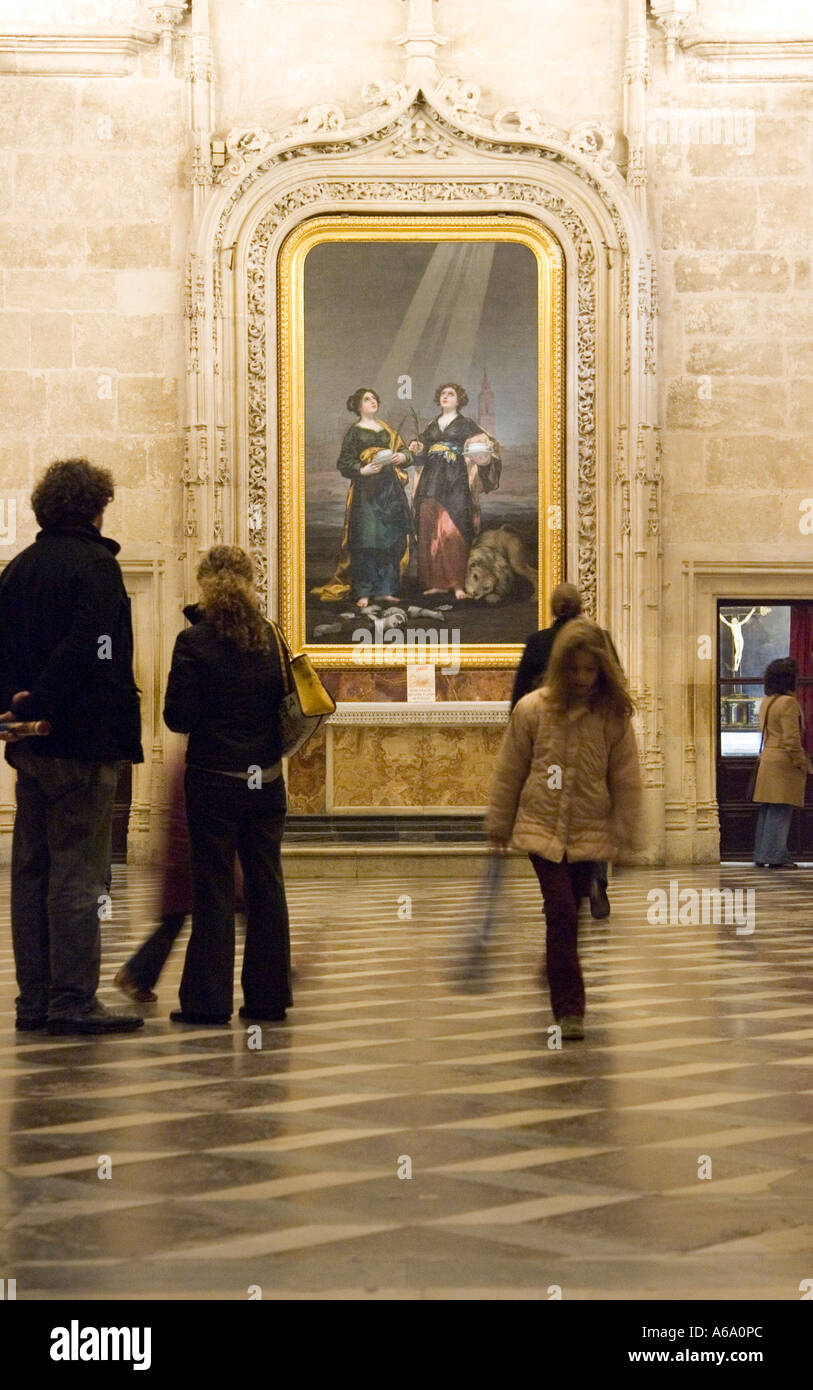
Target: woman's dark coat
[{"x": 225, "y": 699}]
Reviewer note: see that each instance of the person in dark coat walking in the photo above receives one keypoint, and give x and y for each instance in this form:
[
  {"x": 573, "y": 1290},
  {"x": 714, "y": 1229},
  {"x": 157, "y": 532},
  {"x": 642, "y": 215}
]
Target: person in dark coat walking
[
  {"x": 66, "y": 656},
  {"x": 566, "y": 603},
  {"x": 225, "y": 689},
  {"x": 139, "y": 975}
]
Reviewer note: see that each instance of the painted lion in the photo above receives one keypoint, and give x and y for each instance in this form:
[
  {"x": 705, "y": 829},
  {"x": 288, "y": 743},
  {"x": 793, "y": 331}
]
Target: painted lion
[{"x": 496, "y": 563}]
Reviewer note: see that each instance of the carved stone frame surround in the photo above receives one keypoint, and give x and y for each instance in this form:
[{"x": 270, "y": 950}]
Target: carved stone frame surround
[{"x": 420, "y": 157}]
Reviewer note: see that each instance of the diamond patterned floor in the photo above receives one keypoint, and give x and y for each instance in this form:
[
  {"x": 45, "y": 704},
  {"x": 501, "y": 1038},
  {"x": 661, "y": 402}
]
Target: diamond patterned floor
[{"x": 278, "y": 1167}]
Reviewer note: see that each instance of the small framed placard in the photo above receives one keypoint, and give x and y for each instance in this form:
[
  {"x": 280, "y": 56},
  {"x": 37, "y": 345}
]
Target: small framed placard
[{"x": 420, "y": 683}]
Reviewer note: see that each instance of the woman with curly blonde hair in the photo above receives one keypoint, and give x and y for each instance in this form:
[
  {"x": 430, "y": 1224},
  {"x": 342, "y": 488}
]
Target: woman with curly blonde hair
[
  {"x": 566, "y": 790},
  {"x": 225, "y": 689}
]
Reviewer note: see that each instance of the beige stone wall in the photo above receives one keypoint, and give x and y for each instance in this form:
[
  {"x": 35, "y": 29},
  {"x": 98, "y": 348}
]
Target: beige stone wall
[
  {"x": 731, "y": 197},
  {"x": 98, "y": 212},
  {"x": 317, "y": 51},
  {"x": 92, "y": 245},
  {"x": 93, "y": 237},
  {"x": 754, "y": 17}
]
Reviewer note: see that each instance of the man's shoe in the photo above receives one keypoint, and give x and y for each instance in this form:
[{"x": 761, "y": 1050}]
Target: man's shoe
[
  {"x": 124, "y": 981},
  {"x": 572, "y": 1026},
  {"x": 95, "y": 1021},
  {"x": 599, "y": 902},
  {"x": 250, "y": 1017},
  {"x": 178, "y": 1016},
  {"x": 31, "y": 1024}
]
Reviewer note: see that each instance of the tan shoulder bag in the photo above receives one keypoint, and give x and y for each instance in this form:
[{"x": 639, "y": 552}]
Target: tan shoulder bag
[{"x": 306, "y": 703}]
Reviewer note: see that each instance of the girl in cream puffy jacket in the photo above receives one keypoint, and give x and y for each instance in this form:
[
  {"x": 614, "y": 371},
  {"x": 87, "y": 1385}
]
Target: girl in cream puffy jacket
[{"x": 566, "y": 789}]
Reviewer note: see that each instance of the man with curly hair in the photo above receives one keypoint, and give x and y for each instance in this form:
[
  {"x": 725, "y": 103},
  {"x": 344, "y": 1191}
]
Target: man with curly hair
[{"x": 66, "y": 656}]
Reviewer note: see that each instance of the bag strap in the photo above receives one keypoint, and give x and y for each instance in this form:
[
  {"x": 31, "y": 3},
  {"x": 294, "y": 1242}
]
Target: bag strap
[
  {"x": 765, "y": 725},
  {"x": 284, "y": 657}
]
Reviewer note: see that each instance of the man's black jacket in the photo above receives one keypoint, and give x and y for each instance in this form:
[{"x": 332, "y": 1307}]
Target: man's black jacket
[
  {"x": 535, "y": 658},
  {"x": 66, "y": 636},
  {"x": 226, "y": 700}
]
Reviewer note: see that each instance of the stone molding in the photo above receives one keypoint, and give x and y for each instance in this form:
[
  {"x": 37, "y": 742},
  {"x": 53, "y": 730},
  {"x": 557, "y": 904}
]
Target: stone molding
[
  {"x": 716, "y": 58},
  {"x": 79, "y": 53}
]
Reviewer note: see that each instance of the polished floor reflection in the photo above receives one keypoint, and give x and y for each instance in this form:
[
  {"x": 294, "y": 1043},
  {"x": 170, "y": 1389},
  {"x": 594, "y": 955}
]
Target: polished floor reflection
[{"x": 669, "y": 1155}]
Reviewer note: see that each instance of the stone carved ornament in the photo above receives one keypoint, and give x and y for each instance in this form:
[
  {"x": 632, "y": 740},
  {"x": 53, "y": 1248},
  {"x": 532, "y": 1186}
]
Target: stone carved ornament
[
  {"x": 403, "y": 123},
  {"x": 388, "y": 191},
  {"x": 455, "y": 98}
]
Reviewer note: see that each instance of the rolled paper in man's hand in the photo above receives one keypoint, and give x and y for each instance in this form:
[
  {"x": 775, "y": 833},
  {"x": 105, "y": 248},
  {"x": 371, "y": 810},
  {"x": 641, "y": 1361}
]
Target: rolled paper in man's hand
[{"x": 26, "y": 728}]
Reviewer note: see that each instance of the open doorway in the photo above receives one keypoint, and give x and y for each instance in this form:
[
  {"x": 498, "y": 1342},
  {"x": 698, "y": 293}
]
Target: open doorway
[{"x": 749, "y": 635}]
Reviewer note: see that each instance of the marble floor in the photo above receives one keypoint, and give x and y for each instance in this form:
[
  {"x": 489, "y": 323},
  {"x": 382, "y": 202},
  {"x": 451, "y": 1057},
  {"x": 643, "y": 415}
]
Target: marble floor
[{"x": 398, "y": 1139}]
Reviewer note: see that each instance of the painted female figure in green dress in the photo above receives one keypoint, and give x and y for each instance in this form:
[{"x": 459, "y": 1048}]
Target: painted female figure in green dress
[{"x": 378, "y": 521}]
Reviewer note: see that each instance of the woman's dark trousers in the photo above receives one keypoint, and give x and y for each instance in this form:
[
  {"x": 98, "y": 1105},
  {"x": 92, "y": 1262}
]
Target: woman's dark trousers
[
  {"x": 563, "y": 887},
  {"x": 225, "y": 814}
]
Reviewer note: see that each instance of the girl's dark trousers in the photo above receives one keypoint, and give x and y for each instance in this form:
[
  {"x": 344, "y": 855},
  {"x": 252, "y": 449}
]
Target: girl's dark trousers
[{"x": 563, "y": 887}]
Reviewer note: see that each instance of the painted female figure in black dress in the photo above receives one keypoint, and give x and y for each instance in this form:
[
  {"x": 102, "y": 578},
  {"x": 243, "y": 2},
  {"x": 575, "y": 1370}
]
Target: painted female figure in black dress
[{"x": 457, "y": 462}]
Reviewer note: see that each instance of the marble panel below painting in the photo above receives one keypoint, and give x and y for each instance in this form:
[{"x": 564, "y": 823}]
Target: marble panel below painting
[
  {"x": 307, "y": 777},
  {"x": 408, "y": 767},
  {"x": 413, "y": 768},
  {"x": 378, "y": 766},
  {"x": 458, "y": 764}
]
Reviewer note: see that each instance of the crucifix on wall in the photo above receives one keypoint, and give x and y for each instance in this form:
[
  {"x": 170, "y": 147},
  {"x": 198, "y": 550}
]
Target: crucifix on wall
[{"x": 736, "y": 625}]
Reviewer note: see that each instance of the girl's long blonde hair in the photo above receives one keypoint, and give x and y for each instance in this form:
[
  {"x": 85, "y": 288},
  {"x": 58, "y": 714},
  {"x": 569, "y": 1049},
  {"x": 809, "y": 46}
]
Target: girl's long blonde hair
[
  {"x": 227, "y": 597},
  {"x": 609, "y": 693}
]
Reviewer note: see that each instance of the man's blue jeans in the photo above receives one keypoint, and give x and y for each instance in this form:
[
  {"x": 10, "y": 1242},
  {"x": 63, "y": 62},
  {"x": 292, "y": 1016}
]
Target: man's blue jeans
[{"x": 59, "y": 862}]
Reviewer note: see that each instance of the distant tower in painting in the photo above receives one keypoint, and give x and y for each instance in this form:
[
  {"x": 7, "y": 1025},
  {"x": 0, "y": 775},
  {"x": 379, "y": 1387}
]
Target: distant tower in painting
[{"x": 485, "y": 407}]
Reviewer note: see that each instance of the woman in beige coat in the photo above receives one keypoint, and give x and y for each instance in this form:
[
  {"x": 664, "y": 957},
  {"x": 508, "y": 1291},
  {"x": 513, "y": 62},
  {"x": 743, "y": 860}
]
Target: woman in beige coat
[
  {"x": 566, "y": 789},
  {"x": 783, "y": 765}
]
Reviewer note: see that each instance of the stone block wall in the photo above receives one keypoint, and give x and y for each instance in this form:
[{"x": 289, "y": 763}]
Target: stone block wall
[
  {"x": 98, "y": 211},
  {"x": 92, "y": 242},
  {"x": 93, "y": 231},
  {"x": 731, "y": 196}
]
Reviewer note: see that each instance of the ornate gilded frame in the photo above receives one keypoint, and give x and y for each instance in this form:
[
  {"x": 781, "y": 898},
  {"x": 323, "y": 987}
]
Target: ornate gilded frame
[{"x": 291, "y": 406}]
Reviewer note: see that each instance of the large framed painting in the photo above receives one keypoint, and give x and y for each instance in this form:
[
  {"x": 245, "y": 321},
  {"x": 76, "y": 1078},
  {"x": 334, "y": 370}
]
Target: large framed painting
[{"x": 421, "y": 437}]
